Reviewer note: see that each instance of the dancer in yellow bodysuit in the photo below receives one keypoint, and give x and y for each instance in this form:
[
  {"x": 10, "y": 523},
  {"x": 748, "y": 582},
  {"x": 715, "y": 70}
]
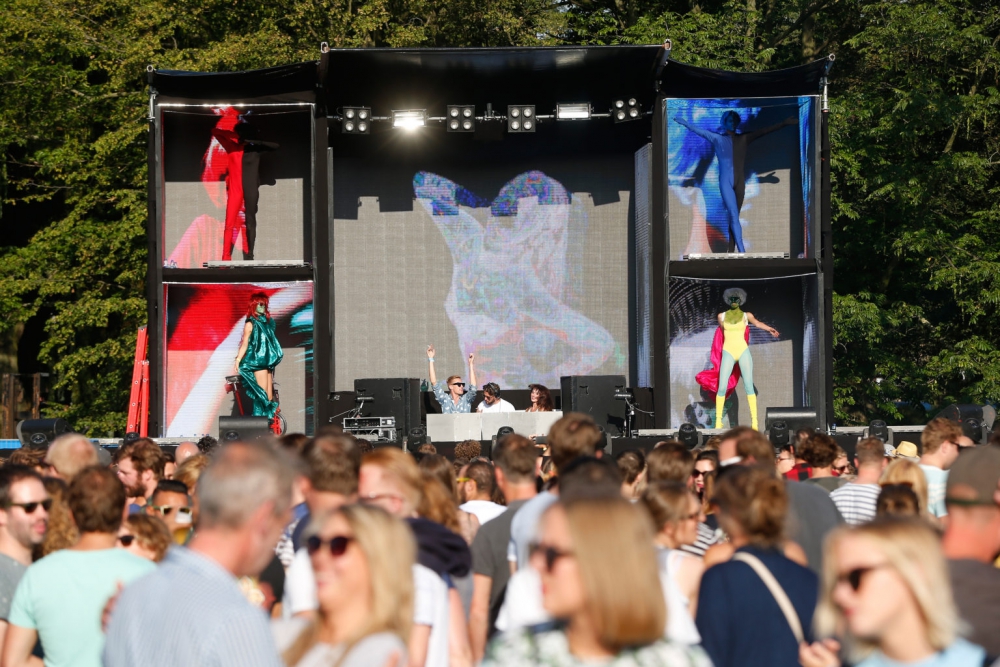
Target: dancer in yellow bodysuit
[{"x": 734, "y": 323}]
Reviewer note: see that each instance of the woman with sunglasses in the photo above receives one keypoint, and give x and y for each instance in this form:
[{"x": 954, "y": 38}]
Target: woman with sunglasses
[
  {"x": 675, "y": 511},
  {"x": 904, "y": 471},
  {"x": 363, "y": 560},
  {"x": 145, "y": 536},
  {"x": 886, "y": 594},
  {"x": 754, "y": 607},
  {"x": 599, "y": 592}
]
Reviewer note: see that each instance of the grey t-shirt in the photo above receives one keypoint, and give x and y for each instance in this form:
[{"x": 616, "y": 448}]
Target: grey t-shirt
[
  {"x": 489, "y": 557},
  {"x": 11, "y": 572},
  {"x": 811, "y": 515},
  {"x": 977, "y": 593},
  {"x": 374, "y": 649}
]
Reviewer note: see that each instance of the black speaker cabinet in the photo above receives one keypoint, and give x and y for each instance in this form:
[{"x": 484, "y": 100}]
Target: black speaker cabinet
[
  {"x": 794, "y": 418},
  {"x": 595, "y": 395},
  {"x": 39, "y": 433},
  {"x": 243, "y": 429},
  {"x": 393, "y": 397}
]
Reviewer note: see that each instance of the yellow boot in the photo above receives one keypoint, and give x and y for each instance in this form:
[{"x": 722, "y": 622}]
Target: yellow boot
[
  {"x": 752, "y": 400},
  {"x": 720, "y": 401}
]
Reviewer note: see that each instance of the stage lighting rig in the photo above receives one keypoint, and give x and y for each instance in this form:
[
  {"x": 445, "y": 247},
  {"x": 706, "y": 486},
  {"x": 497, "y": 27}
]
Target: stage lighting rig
[
  {"x": 521, "y": 118},
  {"x": 461, "y": 118},
  {"x": 878, "y": 429},
  {"x": 624, "y": 110},
  {"x": 409, "y": 119},
  {"x": 576, "y": 111},
  {"x": 778, "y": 434},
  {"x": 688, "y": 436},
  {"x": 356, "y": 120}
]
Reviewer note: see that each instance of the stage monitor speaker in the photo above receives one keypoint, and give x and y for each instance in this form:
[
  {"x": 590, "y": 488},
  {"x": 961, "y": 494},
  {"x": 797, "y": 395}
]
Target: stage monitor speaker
[
  {"x": 794, "y": 419},
  {"x": 595, "y": 396},
  {"x": 39, "y": 433},
  {"x": 976, "y": 420},
  {"x": 393, "y": 397},
  {"x": 243, "y": 429}
]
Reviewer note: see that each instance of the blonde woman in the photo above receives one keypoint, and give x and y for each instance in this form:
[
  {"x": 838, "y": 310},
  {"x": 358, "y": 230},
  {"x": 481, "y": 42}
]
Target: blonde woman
[
  {"x": 676, "y": 511},
  {"x": 600, "y": 593},
  {"x": 904, "y": 471},
  {"x": 886, "y": 592},
  {"x": 363, "y": 560}
]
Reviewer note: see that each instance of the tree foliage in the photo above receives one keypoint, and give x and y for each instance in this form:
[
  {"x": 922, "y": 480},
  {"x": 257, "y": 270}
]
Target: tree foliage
[{"x": 915, "y": 130}]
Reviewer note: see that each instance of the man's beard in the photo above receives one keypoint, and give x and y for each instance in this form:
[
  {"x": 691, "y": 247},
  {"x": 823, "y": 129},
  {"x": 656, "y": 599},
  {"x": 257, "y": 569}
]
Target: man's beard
[{"x": 136, "y": 491}]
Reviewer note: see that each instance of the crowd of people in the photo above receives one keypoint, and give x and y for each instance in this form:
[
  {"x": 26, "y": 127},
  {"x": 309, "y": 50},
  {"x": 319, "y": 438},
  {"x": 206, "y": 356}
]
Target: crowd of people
[{"x": 327, "y": 550}]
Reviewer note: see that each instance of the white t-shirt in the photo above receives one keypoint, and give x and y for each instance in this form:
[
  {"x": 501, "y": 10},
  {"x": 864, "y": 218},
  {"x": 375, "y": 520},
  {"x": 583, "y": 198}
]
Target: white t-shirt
[
  {"x": 375, "y": 649},
  {"x": 485, "y": 510},
  {"x": 500, "y": 406},
  {"x": 937, "y": 486},
  {"x": 430, "y": 602},
  {"x": 430, "y": 607}
]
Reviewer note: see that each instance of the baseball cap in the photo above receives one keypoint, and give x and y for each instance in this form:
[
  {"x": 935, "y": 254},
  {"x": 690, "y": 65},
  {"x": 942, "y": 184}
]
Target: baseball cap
[
  {"x": 907, "y": 450},
  {"x": 972, "y": 479}
]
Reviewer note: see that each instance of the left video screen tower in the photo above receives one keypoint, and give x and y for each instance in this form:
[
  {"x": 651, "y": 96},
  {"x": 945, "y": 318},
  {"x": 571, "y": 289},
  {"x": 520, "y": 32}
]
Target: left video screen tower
[{"x": 236, "y": 183}]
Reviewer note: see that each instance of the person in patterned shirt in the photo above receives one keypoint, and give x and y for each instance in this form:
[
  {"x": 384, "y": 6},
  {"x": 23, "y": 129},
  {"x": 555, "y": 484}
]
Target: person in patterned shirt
[{"x": 451, "y": 394}]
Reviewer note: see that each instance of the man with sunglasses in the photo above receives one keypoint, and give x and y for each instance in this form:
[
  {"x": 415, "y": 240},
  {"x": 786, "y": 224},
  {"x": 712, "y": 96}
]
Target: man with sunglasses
[
  {"x": 24, "y": 518},
  {"x": 451, "y": 394},
  {"x": 170, "y": 502}
]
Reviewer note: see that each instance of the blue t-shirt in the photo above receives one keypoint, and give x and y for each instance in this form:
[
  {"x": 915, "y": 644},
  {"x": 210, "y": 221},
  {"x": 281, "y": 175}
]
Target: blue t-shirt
[
  {"x": 937, "y": 485},
  {"x": 62, "y": 597},
  {"x": 960, "y": 654}
]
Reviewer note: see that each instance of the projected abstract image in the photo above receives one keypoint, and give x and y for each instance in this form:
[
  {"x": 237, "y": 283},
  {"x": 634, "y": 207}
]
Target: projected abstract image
[
  {"x": 204, "y": 325},
  {"x": 741, "y": 175},
  {"x": 780, "y": 371}
]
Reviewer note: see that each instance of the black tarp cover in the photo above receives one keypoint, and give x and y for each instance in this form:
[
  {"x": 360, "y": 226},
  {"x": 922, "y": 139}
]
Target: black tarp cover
[
  {"x": 687, "y": 81},
  {"x": 296, "y": 82}
]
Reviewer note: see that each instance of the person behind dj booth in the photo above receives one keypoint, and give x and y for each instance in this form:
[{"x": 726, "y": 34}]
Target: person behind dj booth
[
  {"x": 492, "y": 401},
  {"x": 451, "y": 393}
]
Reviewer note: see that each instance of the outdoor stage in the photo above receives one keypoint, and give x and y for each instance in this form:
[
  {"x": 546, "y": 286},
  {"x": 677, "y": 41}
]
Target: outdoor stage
[{"x": 557, "y": 212}]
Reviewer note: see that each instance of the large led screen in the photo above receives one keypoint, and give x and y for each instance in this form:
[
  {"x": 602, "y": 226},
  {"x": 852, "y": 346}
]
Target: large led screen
[
  {"x": 236, "y": 183},
  {"x": 741, "y": 175},
  {"x": 521, "y": 262},
  {"x": 783, "y": 370},
  {"x": 204, "y": 326}
]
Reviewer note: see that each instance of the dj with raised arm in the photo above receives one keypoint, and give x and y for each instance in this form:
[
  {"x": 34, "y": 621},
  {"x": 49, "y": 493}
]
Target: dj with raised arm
[{"x": 451, "y": 394}]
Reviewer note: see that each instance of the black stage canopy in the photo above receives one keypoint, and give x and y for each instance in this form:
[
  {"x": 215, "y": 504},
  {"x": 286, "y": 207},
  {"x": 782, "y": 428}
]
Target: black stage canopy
[
  {"x": 286, "y": 81},
  {"x": 386, "y": 79},
  {"x": 688, "y": 81}
]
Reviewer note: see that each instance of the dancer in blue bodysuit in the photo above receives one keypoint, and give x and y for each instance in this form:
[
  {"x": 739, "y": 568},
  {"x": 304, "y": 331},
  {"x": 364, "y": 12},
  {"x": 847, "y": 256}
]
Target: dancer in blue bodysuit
[{"x": 731, "y": 151}]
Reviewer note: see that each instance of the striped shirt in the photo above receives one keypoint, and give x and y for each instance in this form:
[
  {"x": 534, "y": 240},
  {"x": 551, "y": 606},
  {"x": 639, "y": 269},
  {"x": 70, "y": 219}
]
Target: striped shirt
[
  {"x": 190, "y": 611},
  {"x": 706, "y": 538},
  {"x": 856, "y": 502}
]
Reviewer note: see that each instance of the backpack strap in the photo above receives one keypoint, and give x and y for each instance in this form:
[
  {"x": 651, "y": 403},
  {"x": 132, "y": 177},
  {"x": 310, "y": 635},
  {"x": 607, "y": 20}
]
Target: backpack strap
[{"x": 785, "y": 604}]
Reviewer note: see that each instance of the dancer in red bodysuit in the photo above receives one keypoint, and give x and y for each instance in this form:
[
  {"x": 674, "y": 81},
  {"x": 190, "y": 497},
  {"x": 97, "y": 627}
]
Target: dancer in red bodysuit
[{"x": 225, "y": 133}]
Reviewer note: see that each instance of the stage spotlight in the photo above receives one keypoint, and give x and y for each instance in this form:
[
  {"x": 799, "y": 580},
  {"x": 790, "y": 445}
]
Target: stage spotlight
[
  {"x": 625, "y": 110},
  {"x": 521, "y": 118},
  {"x": 688, "y": 436},
  {"x": 461, "y": 118},
  {"x": 778, "y": 434},
  {"x": 579, "y": 111},
  {"x": 878, "y": 429},
  {"x": 408, "y": 119},
  {"x": 416, "y": 437},
  {"x": 356, "y": 120},
  {"x": 504, "y": 430}
]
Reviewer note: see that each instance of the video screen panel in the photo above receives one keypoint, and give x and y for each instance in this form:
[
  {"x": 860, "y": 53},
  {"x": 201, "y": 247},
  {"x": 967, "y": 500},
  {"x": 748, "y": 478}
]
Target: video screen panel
[
  {"x": 237, "y": 183},
  {"x": 523, "y": 263},
  {"x": 784, "y": 370},
  {"x": 204, "y": 326},
  {"x": 741, "y": 175}
]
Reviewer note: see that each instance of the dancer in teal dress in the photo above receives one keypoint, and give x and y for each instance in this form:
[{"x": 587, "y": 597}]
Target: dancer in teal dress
[{"x": 258, "y": 355}]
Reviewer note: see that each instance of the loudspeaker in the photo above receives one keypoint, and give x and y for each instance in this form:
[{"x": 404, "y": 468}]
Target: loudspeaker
[
  {"x": 39, "y": 433},
  {"x": 976, "y": 420},
  {"x": 243, "y": 429},
  {"x": 794, "y": 418},
  {"x": 393, "y": 397},
  {"x": 595, "y": 395}
]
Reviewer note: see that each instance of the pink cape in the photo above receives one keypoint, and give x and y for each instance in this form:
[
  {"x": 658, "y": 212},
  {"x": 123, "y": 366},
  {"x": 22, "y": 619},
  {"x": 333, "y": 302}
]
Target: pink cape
[{"x": 709, "y": 379}]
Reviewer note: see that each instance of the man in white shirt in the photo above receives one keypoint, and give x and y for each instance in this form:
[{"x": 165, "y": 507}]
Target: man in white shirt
[
  {"x": 476, "y": 487},
  {"x": 939, "y": 443},
  {"x": 492, "y": 401},
  {"x": 856, "y": 500}
]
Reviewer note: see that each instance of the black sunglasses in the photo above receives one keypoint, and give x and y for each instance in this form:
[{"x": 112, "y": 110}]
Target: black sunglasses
[
  {"x": 338, "y": 544},
  {"x": 457, "y": 384},
  {"x": 856, "y": 576},
  {"x": 549, "y": 554},
  {"x": 126, "y": 540},
  {"x": 29, "y": 508}
]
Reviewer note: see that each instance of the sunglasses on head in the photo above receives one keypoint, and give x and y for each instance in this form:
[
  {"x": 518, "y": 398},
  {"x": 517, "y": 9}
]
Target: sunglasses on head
[
  {"x": 29, "y": 508},
  {"x": 126, "y": 540},
  {"x": 855, "y": 577},
  {"x": 338, "y": 544},
  {"x": 549, "y": 555}
]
